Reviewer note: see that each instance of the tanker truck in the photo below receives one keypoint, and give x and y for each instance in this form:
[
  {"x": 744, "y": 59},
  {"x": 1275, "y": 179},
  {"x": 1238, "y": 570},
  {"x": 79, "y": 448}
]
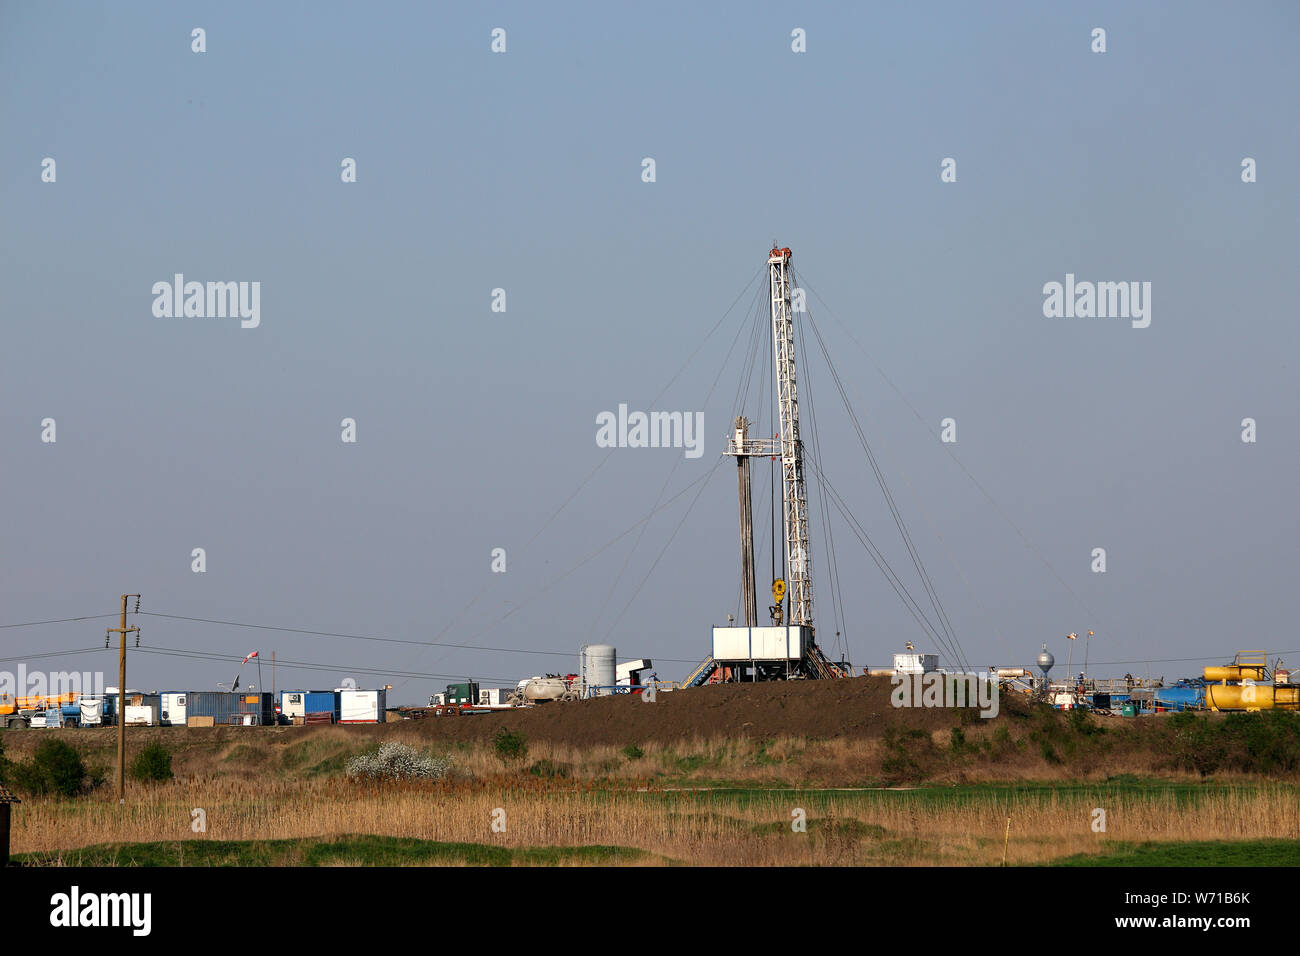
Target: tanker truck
[{"x": 543, "y": 690}]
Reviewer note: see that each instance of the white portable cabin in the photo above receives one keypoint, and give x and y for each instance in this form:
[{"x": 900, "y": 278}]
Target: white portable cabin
[
  {"x": 784, "y": 643},
  {"x": 172, "y": 708},
  {"x": 293, "y": 703},
  {"x": 494, "y": 696},
  {"x": 361, "y": 706},
  {"x": 912, "y": 663}
]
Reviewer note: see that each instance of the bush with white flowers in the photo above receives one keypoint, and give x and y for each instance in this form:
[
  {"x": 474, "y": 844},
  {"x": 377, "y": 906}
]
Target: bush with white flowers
[{"x": 395, "y": 761}]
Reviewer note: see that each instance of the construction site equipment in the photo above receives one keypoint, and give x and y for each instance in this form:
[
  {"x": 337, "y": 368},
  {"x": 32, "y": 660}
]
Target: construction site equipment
[
  {"x": 541, "y": 690},
  {"x": 780, "y": 652},
  {"x": 1249, "y": 696},
  {"x": 1247, "y": 684},
  {"x": 1236, "y": 672},
  {"x": 463, "y": 692},
  {"x": 18, "y": 713}
]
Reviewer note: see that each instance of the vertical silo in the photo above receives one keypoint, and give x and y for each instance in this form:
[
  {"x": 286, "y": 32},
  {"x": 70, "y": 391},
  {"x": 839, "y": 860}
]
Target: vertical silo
[{"x": 599, "y": 671}]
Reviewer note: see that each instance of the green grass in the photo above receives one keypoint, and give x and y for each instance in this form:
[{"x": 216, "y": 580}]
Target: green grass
[
  {"x": 356, "y": 850},
  {"x": 332, "y": 765},
  {"x": 246, "y": 754},
  {"x": 1212, "y": 853},
  {"x": 1188, "y": 794}
]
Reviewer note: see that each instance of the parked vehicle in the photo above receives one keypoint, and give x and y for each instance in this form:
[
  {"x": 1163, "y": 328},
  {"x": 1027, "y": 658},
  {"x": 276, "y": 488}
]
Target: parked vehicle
[{"x": 540, "y": 690}]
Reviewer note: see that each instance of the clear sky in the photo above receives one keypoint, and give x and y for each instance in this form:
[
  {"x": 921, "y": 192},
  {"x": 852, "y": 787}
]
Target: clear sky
[{"x": 523, "y": 171}]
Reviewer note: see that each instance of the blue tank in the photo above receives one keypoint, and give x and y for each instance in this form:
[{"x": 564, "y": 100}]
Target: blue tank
[{"x": 1189, "y": 693}]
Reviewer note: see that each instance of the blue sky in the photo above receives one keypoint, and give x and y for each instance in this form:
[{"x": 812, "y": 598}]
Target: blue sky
[{"x": 522, "y": 171}]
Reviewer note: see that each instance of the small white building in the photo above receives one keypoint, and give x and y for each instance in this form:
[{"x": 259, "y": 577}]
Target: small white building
[
  {"x": 172, "y": 713},
  {"x": 913, "y": 663},
  {"x": 361, "y": 706}
]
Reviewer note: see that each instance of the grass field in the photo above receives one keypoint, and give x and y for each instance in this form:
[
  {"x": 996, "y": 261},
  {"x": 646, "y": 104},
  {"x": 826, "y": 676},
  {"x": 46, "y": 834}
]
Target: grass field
[
  {"x": 1034, "y": 789},
  {"x": 363, "y": 850},
  {"x": 1243, "y": 853},
  {"x": 553, "y": 823}
]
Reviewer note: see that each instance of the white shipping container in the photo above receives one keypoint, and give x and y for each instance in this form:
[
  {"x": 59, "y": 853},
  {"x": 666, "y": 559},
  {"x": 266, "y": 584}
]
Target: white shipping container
[
  {"x": 759, "y": 643},
  {"x": 139, "y": 714},
  {"x": 293, "y": 703},
  {"x": 494, "y": 696},
  {"x": 361, "y": 706}
]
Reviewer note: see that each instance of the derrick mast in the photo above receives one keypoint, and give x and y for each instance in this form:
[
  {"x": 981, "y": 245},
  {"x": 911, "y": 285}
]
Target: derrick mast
[
  {"x": 785, "y": 649},
  {"x": 794, "y": 492}
]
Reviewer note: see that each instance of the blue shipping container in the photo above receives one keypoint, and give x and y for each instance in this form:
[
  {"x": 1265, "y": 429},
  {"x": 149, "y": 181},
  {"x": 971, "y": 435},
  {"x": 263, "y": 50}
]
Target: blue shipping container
[
  {"x": 319, "y": 702},
  {"x": 227, "y": 708}
]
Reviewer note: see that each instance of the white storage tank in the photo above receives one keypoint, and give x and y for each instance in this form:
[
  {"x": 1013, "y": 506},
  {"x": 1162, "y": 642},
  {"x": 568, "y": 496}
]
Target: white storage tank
[{"x": 599, "y": 669}]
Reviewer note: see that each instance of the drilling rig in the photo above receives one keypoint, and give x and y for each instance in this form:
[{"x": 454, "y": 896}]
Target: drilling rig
[{"x": 785, "y": 649}]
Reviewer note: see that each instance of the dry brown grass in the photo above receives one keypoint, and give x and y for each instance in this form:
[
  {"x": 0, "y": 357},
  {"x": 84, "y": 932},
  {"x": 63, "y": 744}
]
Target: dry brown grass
[
  {"x": 286, "y": 785},
  {"x": 909, "y": 828}
]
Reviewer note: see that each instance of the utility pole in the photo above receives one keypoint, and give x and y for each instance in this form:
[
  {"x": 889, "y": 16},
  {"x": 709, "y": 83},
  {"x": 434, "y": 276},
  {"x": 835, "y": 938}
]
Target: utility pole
[{"x": 121, "y": 697}]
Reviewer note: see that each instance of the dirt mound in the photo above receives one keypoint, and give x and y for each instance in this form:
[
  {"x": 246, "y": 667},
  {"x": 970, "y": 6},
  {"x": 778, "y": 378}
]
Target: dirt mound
[{"x": 855, "y": 707}]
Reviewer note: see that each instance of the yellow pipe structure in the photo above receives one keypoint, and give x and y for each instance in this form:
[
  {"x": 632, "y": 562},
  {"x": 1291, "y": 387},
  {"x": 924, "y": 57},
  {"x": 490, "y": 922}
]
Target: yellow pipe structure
[
  {"x": 1235, "y": 672},
  {"x": 1252, "y": 696}
]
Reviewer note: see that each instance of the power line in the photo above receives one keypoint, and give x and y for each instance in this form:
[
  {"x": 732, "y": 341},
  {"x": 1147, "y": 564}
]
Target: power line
[
  {"x": 953, "y": 644},
  {"x": 62, "y": 620},
  {"x": 605, "y": 458},
  {"x": 951, "y": 454},
  {"x": 311, "y": 665},
  {"x": 377, "y": 638},
  {"x": 34, "y": 657},
  {"x": 663, "y": 550}
]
